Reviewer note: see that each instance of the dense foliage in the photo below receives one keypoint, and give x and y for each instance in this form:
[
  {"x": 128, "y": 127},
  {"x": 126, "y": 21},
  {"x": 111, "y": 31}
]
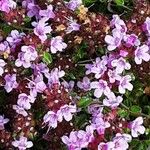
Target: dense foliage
[{"x": 74, "y": 75}]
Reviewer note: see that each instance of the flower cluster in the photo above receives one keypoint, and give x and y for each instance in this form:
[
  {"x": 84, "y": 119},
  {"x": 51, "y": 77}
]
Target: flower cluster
[{"x": 51, "y": 96}]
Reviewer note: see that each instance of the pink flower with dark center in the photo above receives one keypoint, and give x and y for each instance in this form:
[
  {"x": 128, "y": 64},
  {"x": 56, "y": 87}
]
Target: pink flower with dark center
[{"x": 131, "y": 40}]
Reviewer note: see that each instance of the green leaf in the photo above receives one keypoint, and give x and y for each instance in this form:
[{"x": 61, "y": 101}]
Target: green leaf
[
  {"x": 135, "y": 109},
  {"x": 27, "y": 19},
  {"x": 84, "y": 101},
  {"x": 47, "y": 58},
  {"x": 122, "y": 113},
  {"x": 119, "y": 2}
]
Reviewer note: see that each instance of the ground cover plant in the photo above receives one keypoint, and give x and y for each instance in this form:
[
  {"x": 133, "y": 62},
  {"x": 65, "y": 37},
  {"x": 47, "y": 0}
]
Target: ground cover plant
[{"x": 74, "y": 75}]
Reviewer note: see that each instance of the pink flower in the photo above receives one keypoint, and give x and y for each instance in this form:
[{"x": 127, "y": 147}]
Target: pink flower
[
  {"x": 48, "y": 13},
  {"x": 131, "y": 40},
  {"x": 74, "y": 4},
  {"x": 98, "y": 67},
  {"x": 20, "y": 110},
  {"x": 136, "y": 127},
  {"x": 106, "y": 146},
  {"x": 100, "y": 87},
  {"x": 2, "y": 64},
  {"x": 118, "y": 24},
  {"x": 66, "y": 111},
  {"x": 121, "y": 141},
  {"x": 142, "y": 53},
  {"x": 22, "y": 143},
  {"x": 57, "y": 44},
  {"x": 113, "y": 76},
  {"x": 6, "y": 5},
  {"x": 73, "y": 26},
  {"x": 120, "y": 65},
  {"x": 3, "y": 121},
  {"x": 112, "y": 101},
  {"x": 125, "y": 84},
  {"x": 113, "y": 41},
  {"x": 100, "y": 124},
  {"x": 27, "y": 55},
  {"x": 146, "y": 25},
  {"x": 51, "y": 118},
  {"x": 11, "y": 82},
  {"x": 24, "y": 100},
  {"x": 85, "y": 84},
  {"x": 41, "y": 29}
]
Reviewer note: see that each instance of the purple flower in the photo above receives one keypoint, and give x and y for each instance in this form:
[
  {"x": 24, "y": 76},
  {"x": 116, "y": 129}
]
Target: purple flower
[
  {"x": 146, "y": 25},
  {"x": 142, "y": 53},
  {"x": 48, "y": 13},
  {"x": 85, "y": 84},
  {"x": 11, "y": 82},
  {"x": 14, "y": 38},
  {"x": 125, "y": 84},
  {"x": 112, "y": 101},
  {"x": 106, "y": 146},
  {"x": 113, "y": 76},
  {"x": 33, "y": 10},
  {"x": 41, "y": 29},
  {"x": 100, "y": 124},
  {"x": 113, "y": 41},
  {"x": 27, "y": 55},
  {"x": 73, "y": 26},
  {"x": 74, "y": 4},
  {"x": 66, "y": 111},
  {"x": 76, "y": 140},
  {"x": 51, "y": 118},
  {"x": 24, "y": 100},
  {"x": 126, "y": 137},
  {"x": 131, "y": 40},
  {"x": 54, "y": 76},
  {"x": 2, "y": 64},
  {"x": 120, "y": 65},
  {"x": 37, "y": 85},
  {"x": 20, "y": 110},
  {"x": 22, "y": 143},
  {"x": 98, "y": 67},
  {"x": 4, "y": 48},
  {"x": 57, "y": 44},
  {"x": 118, "y": 24},
  {"x": 40, "y": 68},
  {"x": 100, "y": 87},
  {"x": 6, "y": 5},
  {"x": 3, "y": 121},
  {"x": 136, "y": 127},
  {"x": 68, "y": 85},
  {"x": 95, "y": 109}
]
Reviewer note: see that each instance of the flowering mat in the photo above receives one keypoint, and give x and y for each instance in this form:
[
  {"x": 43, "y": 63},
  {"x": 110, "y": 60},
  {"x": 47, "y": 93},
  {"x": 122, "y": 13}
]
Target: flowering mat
[{"x": 74, "y": 75}]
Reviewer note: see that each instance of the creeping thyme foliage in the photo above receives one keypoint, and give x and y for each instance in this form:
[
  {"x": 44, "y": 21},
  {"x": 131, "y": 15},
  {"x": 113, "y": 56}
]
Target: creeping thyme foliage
[{"x": 74, "y": 79}]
